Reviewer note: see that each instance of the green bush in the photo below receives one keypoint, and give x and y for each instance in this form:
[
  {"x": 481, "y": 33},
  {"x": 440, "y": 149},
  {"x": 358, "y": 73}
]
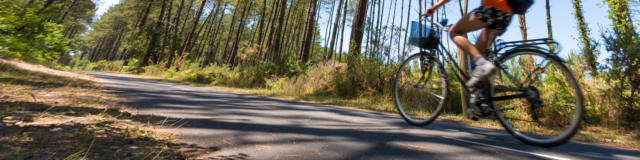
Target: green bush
[
  {"x": 274, "y": 85},
  {"x": 78, "y": 64},
  {"x": 27, "y": 33},
  {"x": 153, "y": 70}
]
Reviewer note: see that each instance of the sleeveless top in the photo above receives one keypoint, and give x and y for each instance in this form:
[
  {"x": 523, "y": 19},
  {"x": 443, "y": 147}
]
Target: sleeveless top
[{"x": 501, "y": 5}]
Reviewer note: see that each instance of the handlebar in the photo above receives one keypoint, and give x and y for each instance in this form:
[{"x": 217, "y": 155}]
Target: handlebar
[{"x": 442, "y": 24}]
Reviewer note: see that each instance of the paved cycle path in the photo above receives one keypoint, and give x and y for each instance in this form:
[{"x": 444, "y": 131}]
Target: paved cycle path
[{"x": 240, "y": 126}]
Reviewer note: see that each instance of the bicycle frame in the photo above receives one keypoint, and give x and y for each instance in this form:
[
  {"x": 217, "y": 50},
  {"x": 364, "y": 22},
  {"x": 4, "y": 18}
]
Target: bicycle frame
[
  {"x": 448, "y": 59},
  {"x": 461, "y": 75}
]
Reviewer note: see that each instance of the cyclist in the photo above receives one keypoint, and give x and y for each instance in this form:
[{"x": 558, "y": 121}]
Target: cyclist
[{"x": 493, "y": 17}]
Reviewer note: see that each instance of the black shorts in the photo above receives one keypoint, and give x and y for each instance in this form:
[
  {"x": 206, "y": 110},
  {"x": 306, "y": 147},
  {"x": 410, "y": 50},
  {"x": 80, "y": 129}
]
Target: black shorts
[{"x": 493, "y": 18}]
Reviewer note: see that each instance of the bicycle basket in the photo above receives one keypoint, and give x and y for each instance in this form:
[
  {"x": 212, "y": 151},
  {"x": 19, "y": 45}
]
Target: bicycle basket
[{"x": 427, "y": 40}]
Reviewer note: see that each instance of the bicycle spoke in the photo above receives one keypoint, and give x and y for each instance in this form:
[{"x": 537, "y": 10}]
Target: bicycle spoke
[{"x": 437, "y": 96}]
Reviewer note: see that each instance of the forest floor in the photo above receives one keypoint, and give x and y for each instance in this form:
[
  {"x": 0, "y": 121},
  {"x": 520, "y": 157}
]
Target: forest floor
[
  {"x": 608, "y": 136},
  {"x": 51, "y": 114}
]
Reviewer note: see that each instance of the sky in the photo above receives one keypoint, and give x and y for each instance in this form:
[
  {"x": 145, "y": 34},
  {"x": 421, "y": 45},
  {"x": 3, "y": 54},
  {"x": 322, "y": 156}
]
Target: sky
[
  {"x": 564, "y": 24},
  {"x": 103, "y": 6}
]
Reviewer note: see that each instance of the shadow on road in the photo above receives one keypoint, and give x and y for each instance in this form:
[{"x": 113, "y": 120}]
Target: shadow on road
[{"x": 242, "y": 117}]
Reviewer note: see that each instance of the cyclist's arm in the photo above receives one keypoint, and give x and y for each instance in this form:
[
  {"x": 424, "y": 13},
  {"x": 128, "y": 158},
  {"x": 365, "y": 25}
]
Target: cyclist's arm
[
  {"x": 440, "y": 3},
  {"x": 429, "y": 11}
]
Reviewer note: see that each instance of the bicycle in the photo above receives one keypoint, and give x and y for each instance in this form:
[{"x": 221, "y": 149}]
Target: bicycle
[{"x": 543, "y": 109}]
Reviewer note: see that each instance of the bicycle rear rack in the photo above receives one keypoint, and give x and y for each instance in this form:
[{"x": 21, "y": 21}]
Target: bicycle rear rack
[{"x": 534, "y": 43}]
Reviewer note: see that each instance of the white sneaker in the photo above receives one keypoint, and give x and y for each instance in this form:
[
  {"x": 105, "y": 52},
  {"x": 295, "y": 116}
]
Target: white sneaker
[{"x": 481, "y": 72}]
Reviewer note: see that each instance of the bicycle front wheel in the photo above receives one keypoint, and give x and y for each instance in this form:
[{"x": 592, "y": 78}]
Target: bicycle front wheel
[
  {"x": 420, "y": 89},
  {"x": 537, "y": 98}
]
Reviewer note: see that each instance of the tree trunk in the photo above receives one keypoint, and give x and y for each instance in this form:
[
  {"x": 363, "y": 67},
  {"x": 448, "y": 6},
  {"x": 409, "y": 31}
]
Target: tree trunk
[
  {"x": 211, "y": 52},
  {"x": 287, "y": 25},
  {"x": 154, "y": 36},
  {"x": 269, "y": 28},
  {"x": 207, "y": 35},
  {"x": 191, "y": 31},
  {"x": 327, "y": 31},
  {"x": 523, "y": 26},
  {"x": 197, "y": 42},
  {"x": 225, "y": 52},
  {"x": 114, "y": 48},
  {"x": 272, "y": 24},
  {"x": 391, "y": 34},
  {"x": 335, "y": 30},
  {"x": 96, "y": 51},
  {"x": 64, "y": 15},
  {"x": 344, "y": 21},
  {"x": 186, "y": 19},
  {"x": 370, "y": 30},
  {"x": 172, "y": 49},
  {"x": 463, "y": 63},
  {"x": 261, "y": 23},
  {"x": 143, "y": 19},
  {"x": 378, "y": 30},
  {"x": 588, "y": 47},
  {"x": 357, "y": 32},
  {"x": 275, "y": 47},
  {"x": 241, "y": 26},
  {"x": 406, "y": 33},
  {"x": 549, "y": 26},
  {"x": 310, "y": 30},
  {"x": 165, "y": 37}
]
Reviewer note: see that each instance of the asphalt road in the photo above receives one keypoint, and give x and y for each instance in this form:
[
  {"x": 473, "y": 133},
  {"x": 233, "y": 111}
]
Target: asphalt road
[{"x": 240, "y": 126}]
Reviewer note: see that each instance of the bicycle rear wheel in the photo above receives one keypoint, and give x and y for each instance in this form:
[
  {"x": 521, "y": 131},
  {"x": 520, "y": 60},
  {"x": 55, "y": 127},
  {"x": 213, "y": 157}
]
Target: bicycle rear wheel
[
  {"x": 549, "y": 105},
  {"x": 420, "y": 89}
]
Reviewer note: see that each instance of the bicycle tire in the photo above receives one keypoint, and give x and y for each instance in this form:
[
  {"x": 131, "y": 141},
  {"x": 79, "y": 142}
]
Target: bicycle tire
[
  {"x": 534, "y": 138},
  {"x": 400, "y": 99}
]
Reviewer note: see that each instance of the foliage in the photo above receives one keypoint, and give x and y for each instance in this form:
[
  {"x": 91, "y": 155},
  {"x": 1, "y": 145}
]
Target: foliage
[
  {"x": 625, "y": 71},
  {"x": 623, "y": 41},
  {"x": 26, "y": 33},
  {"x": 29, "y": 30}
]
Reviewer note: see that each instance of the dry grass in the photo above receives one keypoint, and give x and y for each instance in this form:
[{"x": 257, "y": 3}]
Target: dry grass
[{"x": 58, "y": 116}]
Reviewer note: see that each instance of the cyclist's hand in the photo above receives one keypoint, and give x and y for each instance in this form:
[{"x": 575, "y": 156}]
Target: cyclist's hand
[{"x": 429, "y": 12}]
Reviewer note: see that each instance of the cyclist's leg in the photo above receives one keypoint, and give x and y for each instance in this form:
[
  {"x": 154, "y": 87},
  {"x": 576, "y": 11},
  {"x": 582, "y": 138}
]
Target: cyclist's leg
[
  {"x": 487, "y": 36},
  {"x": 468, "y": 23}
]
